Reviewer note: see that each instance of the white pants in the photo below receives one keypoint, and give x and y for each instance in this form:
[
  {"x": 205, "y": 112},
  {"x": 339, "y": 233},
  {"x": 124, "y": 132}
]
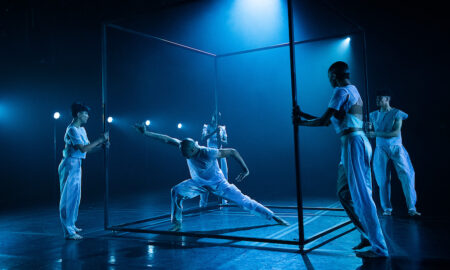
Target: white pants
[
  {"x": 405, "y": 172},
  {"x": 355, "y": 157},
  {"x": 70, "y": 190},
  {"x": 192, "y": 188},
  {"x": 204, "y": 196}
]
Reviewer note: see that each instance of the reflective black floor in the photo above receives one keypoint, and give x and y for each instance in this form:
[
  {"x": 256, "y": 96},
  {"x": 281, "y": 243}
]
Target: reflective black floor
[{"x": 32, "y": 239}]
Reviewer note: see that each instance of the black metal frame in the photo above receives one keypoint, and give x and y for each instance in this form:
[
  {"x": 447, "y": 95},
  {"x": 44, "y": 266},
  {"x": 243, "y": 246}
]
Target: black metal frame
[{"x": 302, "y": 241}]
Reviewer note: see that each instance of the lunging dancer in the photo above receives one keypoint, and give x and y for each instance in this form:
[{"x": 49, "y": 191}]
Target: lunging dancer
[
  {"x": 206, "y": 176},
  {"x": 345, "y": 111}
]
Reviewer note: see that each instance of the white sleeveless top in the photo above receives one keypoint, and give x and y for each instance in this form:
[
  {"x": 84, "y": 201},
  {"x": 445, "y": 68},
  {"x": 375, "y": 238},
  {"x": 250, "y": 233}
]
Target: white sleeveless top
[
  {"x": 384, "y": 121},
  {"x": 344, "y": 97},
  {"x": 204, "y": 166}
]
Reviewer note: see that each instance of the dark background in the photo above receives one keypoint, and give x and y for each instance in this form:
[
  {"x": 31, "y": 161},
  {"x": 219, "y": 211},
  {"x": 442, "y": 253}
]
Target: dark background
[{"x": 50, "y": 57}]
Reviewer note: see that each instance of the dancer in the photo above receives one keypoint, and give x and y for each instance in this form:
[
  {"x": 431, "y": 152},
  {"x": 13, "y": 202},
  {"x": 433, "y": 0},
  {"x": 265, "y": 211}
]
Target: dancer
[
  {"x": 354, "y": 183},
  {"x": 387, "y": 124},
  {"x": 207, "y": 176},
  {"x": 69, "y": 170},
  {"x": 215, "y": 137}
]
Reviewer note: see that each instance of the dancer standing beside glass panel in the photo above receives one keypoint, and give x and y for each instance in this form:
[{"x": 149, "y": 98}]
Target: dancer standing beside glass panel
[
  {"x": 215, "y": 136},
  {"x": 206, "y": 176},
  {"x": 345, "y": 112},
  {"x": 387, "y": 124},
  {"x": 69, "y": 170}
]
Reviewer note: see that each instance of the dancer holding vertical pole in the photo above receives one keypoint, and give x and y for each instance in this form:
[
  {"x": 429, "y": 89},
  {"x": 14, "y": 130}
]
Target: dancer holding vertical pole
[{"x": 345, "y": 111}]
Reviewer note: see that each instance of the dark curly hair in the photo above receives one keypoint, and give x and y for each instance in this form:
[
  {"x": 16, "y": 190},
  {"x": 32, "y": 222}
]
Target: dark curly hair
[
  {"x": 79, "y": 107},
  {"x": 340, "y": 69}
]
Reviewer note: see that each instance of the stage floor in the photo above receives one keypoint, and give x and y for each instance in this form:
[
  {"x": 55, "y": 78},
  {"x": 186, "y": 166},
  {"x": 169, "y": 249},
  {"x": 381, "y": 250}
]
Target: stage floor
[{"x": 32, "y": 239}]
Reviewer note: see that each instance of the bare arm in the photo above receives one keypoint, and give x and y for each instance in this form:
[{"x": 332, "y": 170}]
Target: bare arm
[
  {"x": 307, "y": 116},
  {"x": 297, "y": 115},
  {"x": 395, "y": 132},
  {"x": 324, "y": 120},
  {"x": 93, "y": 145},
  {"x": 230, "y": 152},
  {"x": 159, "y": 137},
  {"x": 104, "y": 145}
]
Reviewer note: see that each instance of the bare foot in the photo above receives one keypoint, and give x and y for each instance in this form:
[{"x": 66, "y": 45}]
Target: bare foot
[
  {"x": 414, "y": 213},
  {"x": 364, "y": 243},
  {"x": 280, "y": 221},
  {"x": 78, "y": 229},
  {"x": 369, "y": 254},
  {"x": 74, "y": 237}
]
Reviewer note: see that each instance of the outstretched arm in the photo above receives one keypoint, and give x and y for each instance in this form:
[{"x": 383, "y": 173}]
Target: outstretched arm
[
  {"x": 106, "y": 145},
  {"x": 297, "y": 115},
  {"x": 93, "y": 145},
  {"x": 324, "y": 120},
  {"x": 159, "y": 137},
  {"x": 230, "y": 152},
  {"x": 395, "y": 132}
]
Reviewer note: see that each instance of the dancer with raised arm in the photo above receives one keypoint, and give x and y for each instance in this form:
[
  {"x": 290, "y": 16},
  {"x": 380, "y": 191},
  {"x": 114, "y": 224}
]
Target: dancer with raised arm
[{"x": 206, "y": 176}]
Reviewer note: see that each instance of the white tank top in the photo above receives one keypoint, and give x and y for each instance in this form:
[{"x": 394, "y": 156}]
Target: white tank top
[{"x": 342, "y": 100}]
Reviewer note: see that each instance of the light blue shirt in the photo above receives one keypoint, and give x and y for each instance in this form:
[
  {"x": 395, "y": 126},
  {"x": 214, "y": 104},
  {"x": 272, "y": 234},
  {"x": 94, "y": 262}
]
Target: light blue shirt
[
  {"x": 343, "y": 99},
  {"x": 384, "y": 121},
  {"x": 75, "y": 136}
]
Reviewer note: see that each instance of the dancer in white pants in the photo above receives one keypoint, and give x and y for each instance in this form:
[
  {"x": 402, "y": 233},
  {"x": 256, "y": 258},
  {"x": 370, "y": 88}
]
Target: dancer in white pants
[
  {"x": 387, "y": 124},
  {"x": 76, "y": 147},
  {"x": 206, "y": 176},
  {"x": 345, "y": 113},
  {"x": 215, "y": 136}
]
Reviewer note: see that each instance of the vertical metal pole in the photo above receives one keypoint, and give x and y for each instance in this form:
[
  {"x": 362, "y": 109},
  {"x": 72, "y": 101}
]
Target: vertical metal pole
[
  {"x": 367, "y": 99},
  {"x": 55, "y": 162},
  {"x": 105, "y": 150},
  {"x": 216, "y": 101},
  {"x": 366, "y": 78},
  {"x": 216, "y": 95},
  {"x": 216, "y": 112},
  {"x": 301, "y": 232}
]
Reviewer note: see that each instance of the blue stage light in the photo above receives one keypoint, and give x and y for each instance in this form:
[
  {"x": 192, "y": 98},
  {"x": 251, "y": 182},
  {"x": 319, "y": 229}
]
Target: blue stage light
[
  {"x": 56, "y": 115},
  {"x": 110, "y": 119},
  {"x": 256, "y": 21},
  {"x": 180, "y": 125},
  {"x": 344, "y": 45},
  {"x": 147, "y": 123}
]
